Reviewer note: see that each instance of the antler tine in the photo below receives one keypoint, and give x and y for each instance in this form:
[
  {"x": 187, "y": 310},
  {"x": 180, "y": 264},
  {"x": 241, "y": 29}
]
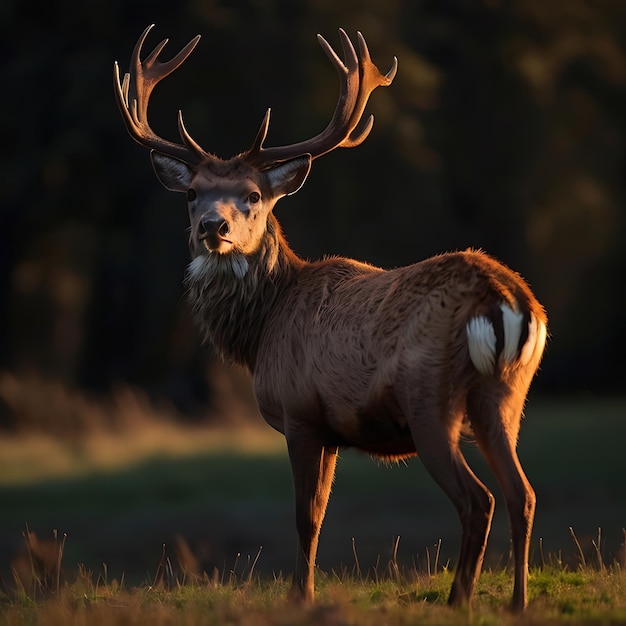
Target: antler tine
[
  {"x": 257, "y": 146},
  {"x": 386, "y": 79},
  {"x": 368, "y": 72},
  {"x": 134, "y": 108},
  {"x": 151, "y": 71},
  {"x": 358, "y": 78}
]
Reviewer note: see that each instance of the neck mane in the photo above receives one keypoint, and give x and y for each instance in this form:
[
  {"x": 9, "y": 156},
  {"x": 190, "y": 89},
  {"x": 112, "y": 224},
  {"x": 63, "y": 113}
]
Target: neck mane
[{"x": 233, "y": 295}]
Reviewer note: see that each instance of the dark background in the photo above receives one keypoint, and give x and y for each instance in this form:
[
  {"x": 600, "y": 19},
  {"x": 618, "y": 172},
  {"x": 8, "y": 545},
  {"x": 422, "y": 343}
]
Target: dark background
[{"x": 503, "y": 130}]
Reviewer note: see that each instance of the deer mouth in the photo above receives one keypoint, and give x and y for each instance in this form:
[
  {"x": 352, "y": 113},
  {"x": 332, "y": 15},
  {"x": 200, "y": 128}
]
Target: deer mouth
[{"x": 216, "y": 243}]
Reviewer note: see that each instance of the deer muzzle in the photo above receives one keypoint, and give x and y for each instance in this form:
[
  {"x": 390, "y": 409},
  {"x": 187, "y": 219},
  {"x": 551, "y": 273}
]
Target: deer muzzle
[{"x": 213, "y": 231}]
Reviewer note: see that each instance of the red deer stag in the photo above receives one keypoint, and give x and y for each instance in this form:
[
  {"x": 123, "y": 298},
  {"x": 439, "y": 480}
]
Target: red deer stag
[{"x": 342, "y": 353}]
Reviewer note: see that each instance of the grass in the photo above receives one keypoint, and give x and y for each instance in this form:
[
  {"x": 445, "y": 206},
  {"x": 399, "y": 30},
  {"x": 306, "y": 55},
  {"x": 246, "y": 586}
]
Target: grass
[
  {"x": 238, "y": 595},
  {"x": 557, "y": 596}
]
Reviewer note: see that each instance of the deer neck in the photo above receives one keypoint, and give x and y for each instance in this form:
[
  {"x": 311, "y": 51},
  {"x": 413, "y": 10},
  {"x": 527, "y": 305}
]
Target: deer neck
[{"x": 232, "y": 296}]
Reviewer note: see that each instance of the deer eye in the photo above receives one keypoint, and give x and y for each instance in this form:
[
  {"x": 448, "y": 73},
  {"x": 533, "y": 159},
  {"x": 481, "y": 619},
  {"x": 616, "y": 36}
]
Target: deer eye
[
  {"x": 191, "y": 195},
  {"x": 254, "y": 197}
]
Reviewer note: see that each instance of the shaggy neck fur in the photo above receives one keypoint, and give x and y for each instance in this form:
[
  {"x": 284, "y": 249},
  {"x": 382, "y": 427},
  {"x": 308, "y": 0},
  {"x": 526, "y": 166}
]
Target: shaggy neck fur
[{"x": 233, "y": 295}]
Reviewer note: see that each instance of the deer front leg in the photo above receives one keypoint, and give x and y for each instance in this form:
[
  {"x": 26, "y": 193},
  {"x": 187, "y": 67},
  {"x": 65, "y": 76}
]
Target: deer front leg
[{"x": 313, "y": 467}]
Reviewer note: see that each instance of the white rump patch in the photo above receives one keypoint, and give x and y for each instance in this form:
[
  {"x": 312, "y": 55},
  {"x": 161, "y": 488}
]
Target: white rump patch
[
  {"x": 536, "y": 341},
  {"x": 481, "y": 341},
  {"x": 512, "y": 326}
]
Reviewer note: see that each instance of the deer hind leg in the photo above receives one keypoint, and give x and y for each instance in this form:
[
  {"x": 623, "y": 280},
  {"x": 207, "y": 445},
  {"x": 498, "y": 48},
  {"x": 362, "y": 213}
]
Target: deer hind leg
[
  {"x": 313, "y": 468},
  {"x": 496, "y": 425},
  {"x": 439, "y": 451}
]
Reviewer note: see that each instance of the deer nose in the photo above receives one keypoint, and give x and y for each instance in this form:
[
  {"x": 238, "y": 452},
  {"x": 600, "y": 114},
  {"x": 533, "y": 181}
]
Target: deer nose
[{"x": 212, "y": 226}]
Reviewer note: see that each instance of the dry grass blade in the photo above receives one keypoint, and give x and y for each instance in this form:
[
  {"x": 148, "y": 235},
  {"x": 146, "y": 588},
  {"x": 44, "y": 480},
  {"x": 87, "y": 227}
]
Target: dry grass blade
[{"x": 581, "y": 554}]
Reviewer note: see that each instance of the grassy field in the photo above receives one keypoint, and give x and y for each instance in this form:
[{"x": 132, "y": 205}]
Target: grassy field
[
  {"x": 557, "y": 596},
  {"x": 207, "y": 515}
]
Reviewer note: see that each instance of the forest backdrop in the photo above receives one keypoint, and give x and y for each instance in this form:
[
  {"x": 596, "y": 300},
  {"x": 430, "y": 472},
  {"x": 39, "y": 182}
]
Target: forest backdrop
[{"x": 503, "y": 130}]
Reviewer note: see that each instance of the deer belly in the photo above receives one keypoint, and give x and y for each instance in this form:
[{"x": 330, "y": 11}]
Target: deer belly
[{"x": 379, "y": 428}]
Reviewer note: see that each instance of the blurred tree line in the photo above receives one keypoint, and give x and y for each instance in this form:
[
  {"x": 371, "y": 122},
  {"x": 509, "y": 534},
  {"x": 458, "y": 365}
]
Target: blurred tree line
[{"x": 504, "y": 130}]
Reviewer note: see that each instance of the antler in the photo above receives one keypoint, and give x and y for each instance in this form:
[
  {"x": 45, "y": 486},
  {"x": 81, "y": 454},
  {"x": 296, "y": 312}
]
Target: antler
[
  {"x": 358, "y": 77},
  {"x": 134, "y": 110}
]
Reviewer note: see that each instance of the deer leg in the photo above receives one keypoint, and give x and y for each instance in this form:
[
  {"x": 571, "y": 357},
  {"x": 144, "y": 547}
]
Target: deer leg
[
  {"x": 496, "y": 427},
  {"x": 313, "y": 467},
  {"x": 473, "y": 501}
]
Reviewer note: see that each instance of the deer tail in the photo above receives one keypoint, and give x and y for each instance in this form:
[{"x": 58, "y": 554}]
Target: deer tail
[{"x": 505, "y": 337}]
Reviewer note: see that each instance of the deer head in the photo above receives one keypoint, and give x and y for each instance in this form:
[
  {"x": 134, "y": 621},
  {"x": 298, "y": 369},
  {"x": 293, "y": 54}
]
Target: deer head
[{"x": 230, "y": 200}]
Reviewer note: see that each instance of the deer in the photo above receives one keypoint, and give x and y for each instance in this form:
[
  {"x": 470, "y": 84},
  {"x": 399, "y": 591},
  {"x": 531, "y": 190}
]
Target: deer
[{"x": 395, "y": 363}]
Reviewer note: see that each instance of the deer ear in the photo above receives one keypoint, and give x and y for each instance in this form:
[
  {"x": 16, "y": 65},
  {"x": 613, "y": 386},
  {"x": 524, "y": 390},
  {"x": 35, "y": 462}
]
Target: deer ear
[
  {"x": 173, "y": 174},
  {"x": 288, "y": 177}
]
